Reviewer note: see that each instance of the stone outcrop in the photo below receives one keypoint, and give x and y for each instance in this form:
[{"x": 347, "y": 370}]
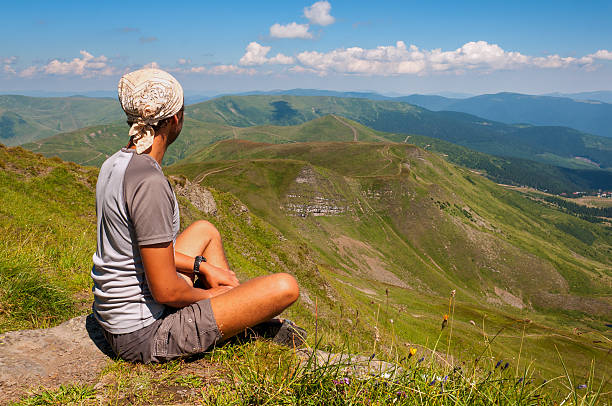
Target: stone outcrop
[
  {"x": 313, "y": 195},
  {"x": 73, "y": 352},
  {"x": 200, "y": 197}
]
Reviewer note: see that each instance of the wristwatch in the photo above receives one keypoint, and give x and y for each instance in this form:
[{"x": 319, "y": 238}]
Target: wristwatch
[{"x": 196, "y": 264}]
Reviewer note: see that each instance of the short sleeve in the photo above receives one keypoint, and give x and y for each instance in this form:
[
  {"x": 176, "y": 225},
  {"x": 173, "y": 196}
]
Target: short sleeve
[{"x": 150, "y": 205}]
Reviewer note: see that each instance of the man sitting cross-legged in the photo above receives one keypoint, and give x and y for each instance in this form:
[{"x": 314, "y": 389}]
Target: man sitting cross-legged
[{"x": 143, "y": 272}]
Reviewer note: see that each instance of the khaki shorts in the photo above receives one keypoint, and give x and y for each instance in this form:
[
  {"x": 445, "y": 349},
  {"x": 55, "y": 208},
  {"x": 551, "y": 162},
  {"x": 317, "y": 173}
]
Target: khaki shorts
[{"x": 180, "y": 332}]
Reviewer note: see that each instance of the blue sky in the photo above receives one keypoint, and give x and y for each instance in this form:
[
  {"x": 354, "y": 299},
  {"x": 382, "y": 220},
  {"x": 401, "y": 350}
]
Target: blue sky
[{"x": 393, "y": 46}]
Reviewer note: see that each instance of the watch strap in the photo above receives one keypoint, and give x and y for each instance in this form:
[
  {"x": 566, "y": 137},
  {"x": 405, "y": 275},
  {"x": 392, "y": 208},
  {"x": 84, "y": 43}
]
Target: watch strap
[{"x": 196, "y": 264}]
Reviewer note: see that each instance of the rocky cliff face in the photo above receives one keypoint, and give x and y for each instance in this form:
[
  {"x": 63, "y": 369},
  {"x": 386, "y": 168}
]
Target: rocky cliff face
[{"x": 311, "y": 194}]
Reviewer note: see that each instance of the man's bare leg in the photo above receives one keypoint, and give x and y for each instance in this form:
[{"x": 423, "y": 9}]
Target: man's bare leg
[
  {"x": 202, "y": 238},
  {"x": 254, "y": 302}
]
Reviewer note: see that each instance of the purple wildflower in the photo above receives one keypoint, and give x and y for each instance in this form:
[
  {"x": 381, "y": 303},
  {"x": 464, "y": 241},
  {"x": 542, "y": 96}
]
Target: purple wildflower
[
  {"x": 400, "y": 394},
  {"x": 582, "y": 386},
  {"x": 445, "y": 378},
  {"x": 432, "y": 383},
  {"x": 498, "y": 363},
  {"x": 506, "y": 365},
  {"x": 421, "y": 360},
  {"x": 342, "y": 381}
]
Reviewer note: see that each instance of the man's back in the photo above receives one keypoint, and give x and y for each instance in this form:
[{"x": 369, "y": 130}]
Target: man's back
[{"x": 131, "y": 192}]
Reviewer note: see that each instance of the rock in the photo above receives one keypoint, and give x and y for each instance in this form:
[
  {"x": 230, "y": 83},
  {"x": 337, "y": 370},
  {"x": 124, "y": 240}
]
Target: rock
[
  {"x": 200, "y": 197},
  {"x": 73, "y": 352},
  {"x": 357, "y": 366}
]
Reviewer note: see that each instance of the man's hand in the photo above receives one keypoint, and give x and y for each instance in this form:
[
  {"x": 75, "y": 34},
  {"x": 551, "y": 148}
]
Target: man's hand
[{"x": 215, "y": 276}]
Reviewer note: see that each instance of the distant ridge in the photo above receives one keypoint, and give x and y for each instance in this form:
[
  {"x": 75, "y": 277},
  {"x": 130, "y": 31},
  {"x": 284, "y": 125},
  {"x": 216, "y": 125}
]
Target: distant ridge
[
  {"x": 548, "y": 144},
  {"x": 590, "y": 112}
]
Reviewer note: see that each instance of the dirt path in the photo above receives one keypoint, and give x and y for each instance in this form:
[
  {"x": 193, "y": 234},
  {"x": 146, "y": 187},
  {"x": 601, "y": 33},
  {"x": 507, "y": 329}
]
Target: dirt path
[
  {"x": 198, "y": 179},
  {"x": 348, "y": 125},
  {"x": 90, "y": 159}
]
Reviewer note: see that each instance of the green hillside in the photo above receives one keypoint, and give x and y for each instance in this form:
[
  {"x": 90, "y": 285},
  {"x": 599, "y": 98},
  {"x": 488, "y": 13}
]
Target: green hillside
[
  {"x": 394, "y": 219},
  {"x": 92, "y": 145},
  {"x": 25, "y": 119},
  {"x": 554, "y": 145},
  {"x": 377, "y": 234}
]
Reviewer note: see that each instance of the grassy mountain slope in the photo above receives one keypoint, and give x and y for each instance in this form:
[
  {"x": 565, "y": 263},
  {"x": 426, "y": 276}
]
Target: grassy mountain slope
[
  {"x": 398, "y": 227},
  {"x": 24, "y": 119},
  {"x": 378, "y": 273},
  {"x": 557, "y": 145},
  {"x": 92, "y": 145}
]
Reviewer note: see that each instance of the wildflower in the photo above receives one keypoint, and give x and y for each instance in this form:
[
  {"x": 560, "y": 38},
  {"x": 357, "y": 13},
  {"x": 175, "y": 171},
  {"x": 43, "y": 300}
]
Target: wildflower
[
  {"x": 520, "y": 380},
  {"x": 445, "y": 378},
  {"x": 342, "y": 381},
  {"x": 421, "y": 360},
  {"x": 498, "y": 363},
  {"x": 391, "y": 320},
  {"x": 432, "y": 383},
  {"x": 453, "y": 293},
  {"x": 400, "y": 394},
  {"x": 506, "y": 365},
  {"x": 582, "y": 386},
  {"x": 412, "y": 352},
  {"x": 445, "y": 321}
]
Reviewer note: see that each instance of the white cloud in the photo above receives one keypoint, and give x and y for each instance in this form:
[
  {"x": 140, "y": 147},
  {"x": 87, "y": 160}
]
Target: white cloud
[
  {"x": 256, "y": 54},
  {"x": 281, "y": 59},
  {"x": 291, "y": 30},
  {"x": 9, "y": 64},
  {"x": 220, "y": 70},
  {"x": 400, "y": 59},
  {"x": 151, "y": 65},
  {"x": 29, "y": 72},
  {"x": 602, "y": 54},
  {"x": 184, "y": 61},
  {"x": 225, "y": 69},
  {"x": 87, "y": 66},
  {"x": 318, "y": 13}
]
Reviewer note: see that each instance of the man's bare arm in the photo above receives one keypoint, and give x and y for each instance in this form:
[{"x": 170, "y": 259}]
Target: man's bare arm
[
  {"x": 166, "y": 286},
  {"x": 213, "y": 275}
]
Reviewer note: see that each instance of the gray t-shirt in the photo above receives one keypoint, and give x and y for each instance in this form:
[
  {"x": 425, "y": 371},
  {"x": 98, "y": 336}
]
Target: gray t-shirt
[{"x": 135, "y": 205}]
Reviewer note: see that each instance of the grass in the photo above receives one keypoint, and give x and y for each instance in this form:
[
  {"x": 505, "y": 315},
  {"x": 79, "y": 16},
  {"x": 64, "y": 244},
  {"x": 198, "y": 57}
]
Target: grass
[
  {"x": 48, "y": 212},
  {"x": 262, "y": 373}
]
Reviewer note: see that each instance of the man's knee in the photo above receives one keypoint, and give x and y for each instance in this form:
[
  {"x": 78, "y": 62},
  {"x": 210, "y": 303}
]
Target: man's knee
[
  {"x": 207, "y": 229},
  {"x": 287, "y": 288}
]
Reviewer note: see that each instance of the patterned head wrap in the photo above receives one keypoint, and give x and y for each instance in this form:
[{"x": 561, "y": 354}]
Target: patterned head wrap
[{"x": 148, "y": 96}]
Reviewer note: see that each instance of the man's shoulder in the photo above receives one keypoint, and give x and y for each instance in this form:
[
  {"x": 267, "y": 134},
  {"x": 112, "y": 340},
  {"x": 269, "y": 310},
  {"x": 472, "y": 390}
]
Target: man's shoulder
[{"x": 143, "y": 170}]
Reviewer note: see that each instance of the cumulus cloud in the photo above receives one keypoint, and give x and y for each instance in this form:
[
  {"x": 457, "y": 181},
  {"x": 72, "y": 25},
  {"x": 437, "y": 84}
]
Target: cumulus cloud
[
  {"x": 151, "y": 65},
  {"x": 87, "y": 66},
  {"x": 292, "y": 30},
  {"x": 602, "y": 54},
  {"x": 256, "y": 54},
  {"x": 8, "y": 64},
  {"x": 29, "y": 72},
  {"x": 401, "y": 59},
  {"x": 184, "y": 61},
  {"x": 318, "y": 13},
  {"x": 224, "y": 69}
]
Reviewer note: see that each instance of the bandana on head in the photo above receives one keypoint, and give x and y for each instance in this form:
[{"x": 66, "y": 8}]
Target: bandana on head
[{"x": 148, "y": 96}]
